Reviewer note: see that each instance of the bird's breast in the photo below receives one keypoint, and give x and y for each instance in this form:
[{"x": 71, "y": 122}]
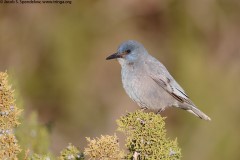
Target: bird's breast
[{"x": 133, "y": 82}]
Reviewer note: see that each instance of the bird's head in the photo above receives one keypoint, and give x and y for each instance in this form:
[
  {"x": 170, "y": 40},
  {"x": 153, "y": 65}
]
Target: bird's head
[{"x": 129, "y": 52}]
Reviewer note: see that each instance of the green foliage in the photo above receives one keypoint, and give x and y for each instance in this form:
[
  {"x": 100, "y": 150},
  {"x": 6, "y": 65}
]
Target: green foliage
[
  {"x": 71, "y": 153},
  {"x": 33, "y": 136},
  {"x": 9, "y": 115},
  {"x": 146, "y": 137},
  {"x": 106, "y": 148},
  {"x": 40, "y": 157}
]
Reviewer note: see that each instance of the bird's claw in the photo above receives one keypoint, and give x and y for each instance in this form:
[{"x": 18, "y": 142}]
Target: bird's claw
[
  {"x": 160, "y": 110},
  {"x": 144, "y": 108}
]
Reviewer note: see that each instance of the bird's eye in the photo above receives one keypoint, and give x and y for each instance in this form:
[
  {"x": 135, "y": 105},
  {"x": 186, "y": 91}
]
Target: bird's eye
[{"x": 128, "y": 51}]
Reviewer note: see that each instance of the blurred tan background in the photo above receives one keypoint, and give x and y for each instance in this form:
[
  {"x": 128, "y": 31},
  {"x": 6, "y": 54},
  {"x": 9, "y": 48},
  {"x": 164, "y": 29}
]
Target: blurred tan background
[{"x": 56, "y": 54}]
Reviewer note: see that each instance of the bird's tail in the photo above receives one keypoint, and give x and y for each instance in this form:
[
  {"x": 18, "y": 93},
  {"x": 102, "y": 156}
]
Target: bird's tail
[{"x": 194, "y": 110}]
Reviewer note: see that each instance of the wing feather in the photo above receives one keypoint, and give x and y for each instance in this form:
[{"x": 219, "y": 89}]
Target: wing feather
[{"x": 162, "y": 77}]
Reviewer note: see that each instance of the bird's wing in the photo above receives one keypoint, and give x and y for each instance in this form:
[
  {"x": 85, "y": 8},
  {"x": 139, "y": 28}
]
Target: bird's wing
[{"x": 162, "y": 77}]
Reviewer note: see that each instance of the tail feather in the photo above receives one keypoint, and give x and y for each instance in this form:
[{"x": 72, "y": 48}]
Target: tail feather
[{"x": 194, "y": 110}]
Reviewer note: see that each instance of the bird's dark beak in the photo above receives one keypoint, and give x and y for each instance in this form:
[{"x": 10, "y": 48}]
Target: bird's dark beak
[{"x": 114, "y": 56}]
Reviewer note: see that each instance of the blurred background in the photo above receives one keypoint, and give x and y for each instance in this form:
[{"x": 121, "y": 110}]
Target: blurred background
[{"x": 56, "y": 56}]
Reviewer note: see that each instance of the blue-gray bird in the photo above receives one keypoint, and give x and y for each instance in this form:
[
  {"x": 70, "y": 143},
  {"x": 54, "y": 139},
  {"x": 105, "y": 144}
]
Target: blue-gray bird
[{"x": 148, "y": 82}]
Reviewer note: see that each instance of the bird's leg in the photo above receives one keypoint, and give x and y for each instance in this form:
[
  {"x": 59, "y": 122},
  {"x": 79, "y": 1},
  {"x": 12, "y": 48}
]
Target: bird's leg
[{"x": 160, "y": 110}]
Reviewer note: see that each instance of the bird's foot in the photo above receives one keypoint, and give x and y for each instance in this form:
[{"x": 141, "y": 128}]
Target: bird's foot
[
  {"x": 160, "y": 110},
  {"x": 144, "y": 108}
]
